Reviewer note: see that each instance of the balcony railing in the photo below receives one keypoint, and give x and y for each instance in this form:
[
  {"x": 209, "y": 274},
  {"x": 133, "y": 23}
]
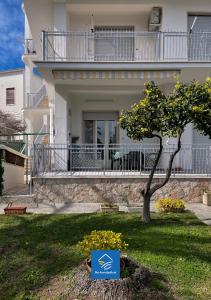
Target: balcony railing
[
  {"x": 33, "y": 99},
  {"x": 118, "y": 160},
  {"x": 30, "y": 47},
  {"x": 119, "y": 46}
]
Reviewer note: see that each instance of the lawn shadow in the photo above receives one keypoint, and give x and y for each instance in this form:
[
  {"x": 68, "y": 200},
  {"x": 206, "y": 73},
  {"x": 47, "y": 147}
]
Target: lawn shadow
[{"x": 37, "y": 248}]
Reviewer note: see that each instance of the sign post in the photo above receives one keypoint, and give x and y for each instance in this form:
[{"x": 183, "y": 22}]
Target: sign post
[{"x": 105, "y": 264}]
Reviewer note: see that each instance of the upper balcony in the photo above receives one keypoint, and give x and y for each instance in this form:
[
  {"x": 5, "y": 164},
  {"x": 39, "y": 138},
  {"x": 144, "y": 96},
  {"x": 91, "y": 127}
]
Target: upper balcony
[
  {"x": 29, "y": 47},
  {"x": 126, "y": 45}
]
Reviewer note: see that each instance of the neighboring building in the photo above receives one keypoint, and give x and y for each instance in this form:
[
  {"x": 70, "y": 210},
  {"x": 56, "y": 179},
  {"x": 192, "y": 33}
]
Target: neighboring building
[
  {"x": 95, "y": 59},
  {"x": 12, "y": 91}
]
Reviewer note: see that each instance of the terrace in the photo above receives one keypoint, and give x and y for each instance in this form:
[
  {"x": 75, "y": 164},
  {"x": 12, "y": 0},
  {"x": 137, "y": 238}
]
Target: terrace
[
  {"x": 87, "y": 160},
  {"x": 126, "y": 45}
]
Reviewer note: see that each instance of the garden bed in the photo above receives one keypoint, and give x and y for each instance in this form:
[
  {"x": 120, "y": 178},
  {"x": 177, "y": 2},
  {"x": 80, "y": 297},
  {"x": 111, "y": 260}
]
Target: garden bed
[
  {"x": 134, "y": 279},
  {"x": 39, "y": 257}
]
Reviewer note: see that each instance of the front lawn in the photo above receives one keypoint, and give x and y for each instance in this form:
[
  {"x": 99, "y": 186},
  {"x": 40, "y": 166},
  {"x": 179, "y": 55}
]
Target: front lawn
[{"x": 37, "y": 252}]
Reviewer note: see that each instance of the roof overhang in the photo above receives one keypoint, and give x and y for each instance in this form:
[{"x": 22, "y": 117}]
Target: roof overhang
[{"x": 122, "y": 66}]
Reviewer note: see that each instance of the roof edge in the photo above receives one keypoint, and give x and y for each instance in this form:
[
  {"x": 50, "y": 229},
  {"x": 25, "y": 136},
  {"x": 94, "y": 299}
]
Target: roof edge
[{"x": 12, "y": 71}]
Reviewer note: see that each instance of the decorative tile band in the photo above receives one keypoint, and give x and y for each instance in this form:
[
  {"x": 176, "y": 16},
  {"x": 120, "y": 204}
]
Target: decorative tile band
[{"x": 83, "y": 75}]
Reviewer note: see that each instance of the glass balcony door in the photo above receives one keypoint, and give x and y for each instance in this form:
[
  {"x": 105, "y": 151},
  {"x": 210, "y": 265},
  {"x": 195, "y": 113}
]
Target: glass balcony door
[{"x": 100, "y": 132}]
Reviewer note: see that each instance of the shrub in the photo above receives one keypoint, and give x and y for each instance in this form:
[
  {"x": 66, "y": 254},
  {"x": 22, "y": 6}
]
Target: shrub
[
  {"x": 101, "y": 240},
  {"x": 170, "y": 205}
]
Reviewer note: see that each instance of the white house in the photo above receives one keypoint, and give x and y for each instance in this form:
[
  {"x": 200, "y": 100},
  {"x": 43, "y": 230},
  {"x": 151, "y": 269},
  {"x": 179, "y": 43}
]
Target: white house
[
  {"x": 95, "y": 57},
  {"x": 12, "y": 91}
]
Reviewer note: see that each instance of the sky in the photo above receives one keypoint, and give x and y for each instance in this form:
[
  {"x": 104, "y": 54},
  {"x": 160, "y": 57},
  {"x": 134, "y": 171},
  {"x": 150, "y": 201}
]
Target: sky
[{"x": 11, "y": 34}]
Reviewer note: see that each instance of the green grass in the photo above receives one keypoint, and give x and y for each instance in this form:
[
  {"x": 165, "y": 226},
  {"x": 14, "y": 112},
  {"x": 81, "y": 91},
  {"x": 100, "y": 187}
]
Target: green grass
[{"x": 36, "y": 249}]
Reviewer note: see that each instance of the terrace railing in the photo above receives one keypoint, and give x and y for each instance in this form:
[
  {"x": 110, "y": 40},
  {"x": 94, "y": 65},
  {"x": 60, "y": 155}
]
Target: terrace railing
[
  {"x": 123, "y": 46},
  {"x": 33, "y": 99},
  {"x": 118, "y": 160}
]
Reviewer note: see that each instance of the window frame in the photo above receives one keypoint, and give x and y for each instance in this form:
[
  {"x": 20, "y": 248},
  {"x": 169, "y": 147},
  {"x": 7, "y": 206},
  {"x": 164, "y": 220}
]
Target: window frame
[{"x": 9, "y": 98}]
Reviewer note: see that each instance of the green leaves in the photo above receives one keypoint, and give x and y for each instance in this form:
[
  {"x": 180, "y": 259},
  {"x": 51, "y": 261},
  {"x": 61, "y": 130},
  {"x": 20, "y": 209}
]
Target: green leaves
[
  {"x": 101, "y": 240},
  {"x": 169, "y": 114},
  {"x": 146, "y": 116}
]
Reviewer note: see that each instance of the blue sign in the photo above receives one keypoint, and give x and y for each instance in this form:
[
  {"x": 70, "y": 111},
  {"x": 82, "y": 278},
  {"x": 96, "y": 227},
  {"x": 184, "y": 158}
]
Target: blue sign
[{"x": 105, "y": 264}]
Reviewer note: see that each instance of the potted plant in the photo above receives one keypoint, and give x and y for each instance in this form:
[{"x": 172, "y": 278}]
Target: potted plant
[
  {"x": 101, "y": 240},
  {"x": 108, "y": 207},
  {"x": 170, "y": 205}
]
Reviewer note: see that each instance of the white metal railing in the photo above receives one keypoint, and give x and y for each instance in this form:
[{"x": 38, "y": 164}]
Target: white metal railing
[
  {"x": 38, "y": 139},
  {"x": 29, "y": 47},
  {"x": 33, "y": 99},
  {"x": 114, "y": 160},
  {"x": 128, "y": 46}
]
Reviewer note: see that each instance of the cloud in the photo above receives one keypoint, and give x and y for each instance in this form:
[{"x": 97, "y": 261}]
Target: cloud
[{"x": 11, "y": 34}]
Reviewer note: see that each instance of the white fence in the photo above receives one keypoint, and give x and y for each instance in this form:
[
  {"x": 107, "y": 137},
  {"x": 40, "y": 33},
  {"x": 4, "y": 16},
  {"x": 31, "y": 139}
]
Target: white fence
[
  {"x": 137, "y": 160},
  {"x": 129, "y": 46}
]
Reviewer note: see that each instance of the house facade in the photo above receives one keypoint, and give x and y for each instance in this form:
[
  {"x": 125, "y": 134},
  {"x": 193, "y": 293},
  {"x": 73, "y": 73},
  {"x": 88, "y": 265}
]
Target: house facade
[
  {"x": 12, "y": 91},
  {"x": 95, "y": 58}
]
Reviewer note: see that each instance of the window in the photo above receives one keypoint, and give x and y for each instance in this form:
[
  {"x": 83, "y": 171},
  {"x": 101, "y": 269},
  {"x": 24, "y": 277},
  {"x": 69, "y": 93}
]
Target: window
[
  {"x": 199, "y": 27},
  {"x": 100, "y": 127},
  {"x": 10, "y": 96},
  {"x": 199, "y": 23}
]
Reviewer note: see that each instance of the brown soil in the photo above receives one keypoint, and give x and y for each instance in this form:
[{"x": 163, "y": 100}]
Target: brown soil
[
  {"x": 125, "y": 288},
  {"x": 79, "y": 286}
]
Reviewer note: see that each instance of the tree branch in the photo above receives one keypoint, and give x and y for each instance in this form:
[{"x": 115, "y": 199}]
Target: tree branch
[
  {"x": 154, "y": 166},
  {"x": 169, "y": 170}
]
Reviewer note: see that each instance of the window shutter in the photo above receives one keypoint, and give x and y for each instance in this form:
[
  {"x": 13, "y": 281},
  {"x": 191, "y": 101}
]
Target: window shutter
[
  {"x": 199, "y": 23},
  {"x": 114, "y": 43},
  {"x": 101, "y": 116},
  {"x": 200, "y": 37},
  {"x": 10, "y": 96}
]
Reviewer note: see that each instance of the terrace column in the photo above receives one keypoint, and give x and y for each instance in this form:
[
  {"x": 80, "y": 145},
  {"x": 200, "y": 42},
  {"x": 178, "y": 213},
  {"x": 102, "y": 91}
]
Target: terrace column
[
  {"x": 61, "y": 25},
  {"x": 50, "y": 87},
  {"x": 174, "y": 38},
  {"x": 61, "y": 134}
]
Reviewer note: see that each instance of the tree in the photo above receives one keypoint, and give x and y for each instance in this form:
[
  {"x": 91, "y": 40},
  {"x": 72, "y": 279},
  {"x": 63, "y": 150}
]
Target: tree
[
  {"x": 159, "y": 115},
  {"x": 10, "y": 124}
]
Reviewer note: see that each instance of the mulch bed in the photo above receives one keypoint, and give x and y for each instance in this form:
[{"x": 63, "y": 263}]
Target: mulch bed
[{"x": 126, "y": 288}]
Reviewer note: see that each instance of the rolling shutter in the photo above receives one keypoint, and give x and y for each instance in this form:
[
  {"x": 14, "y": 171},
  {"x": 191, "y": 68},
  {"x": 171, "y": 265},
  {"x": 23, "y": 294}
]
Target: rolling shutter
[
  {"x": 100, "y": 116},
  {"x": 199, "y": 139},
  {"x": 199, "y": 23},
  {"x": 114, "y": 43},
  {"x": 199, "y": 28}
]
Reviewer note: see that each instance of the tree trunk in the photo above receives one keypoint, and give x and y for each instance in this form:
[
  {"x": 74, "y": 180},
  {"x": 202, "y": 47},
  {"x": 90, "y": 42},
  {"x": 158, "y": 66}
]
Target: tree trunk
[{"x": 146, "y": 209}]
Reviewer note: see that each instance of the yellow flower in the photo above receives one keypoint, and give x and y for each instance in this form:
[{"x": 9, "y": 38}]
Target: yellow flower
[{"x": 101, "y": 240}]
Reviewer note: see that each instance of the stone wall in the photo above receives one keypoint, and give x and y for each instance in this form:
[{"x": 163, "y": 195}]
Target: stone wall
[{"x": 114, "y": 190}]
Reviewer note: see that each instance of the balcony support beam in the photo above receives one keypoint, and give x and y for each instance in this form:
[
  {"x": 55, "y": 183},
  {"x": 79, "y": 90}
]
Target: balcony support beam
[{"x": 121, "y": 66}]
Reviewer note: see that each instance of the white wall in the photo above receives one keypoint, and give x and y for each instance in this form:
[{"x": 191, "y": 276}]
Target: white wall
[
  {"x": 13, "y": 176},
  {"x": 72, "y": 15},
  {"x": 61, "y": 112},
  {"x": 82, "y": 103},
  {"x": 32, "y": 82},
  {"x": 48, "y": 15},
  {"x": 12, "y": 79},
  {"x": 40, "y": 17}
]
